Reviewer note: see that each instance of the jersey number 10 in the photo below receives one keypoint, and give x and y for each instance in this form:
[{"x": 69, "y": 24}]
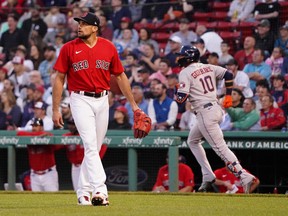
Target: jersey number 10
[{"x": 207, "y": 84}]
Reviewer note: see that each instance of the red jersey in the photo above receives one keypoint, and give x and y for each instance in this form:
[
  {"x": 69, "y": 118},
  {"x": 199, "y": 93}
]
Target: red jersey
[
  {"x": 226, "y": 176},
  {"x": 273, "y": 119},
  {"x": 89, "y": 69},
  {"x": 186, "y": 177},
  {"x": 243, "y": 59},
  {"x": 75, "y": 153},
  {"x": 41, "y": 157}
]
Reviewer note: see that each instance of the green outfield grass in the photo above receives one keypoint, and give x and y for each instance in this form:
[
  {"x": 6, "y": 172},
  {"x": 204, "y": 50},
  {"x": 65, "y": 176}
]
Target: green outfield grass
[{"x": 143, "y": 203}]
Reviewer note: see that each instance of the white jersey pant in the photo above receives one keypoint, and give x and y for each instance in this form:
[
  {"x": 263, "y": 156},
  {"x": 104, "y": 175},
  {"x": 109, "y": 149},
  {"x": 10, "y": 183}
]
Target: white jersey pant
[
  {"x": 207, "y": 126},
  {"x": 45, "y": 182},
  {"x": 91, "y": 119},
  {"x": 75, "y": 173}
]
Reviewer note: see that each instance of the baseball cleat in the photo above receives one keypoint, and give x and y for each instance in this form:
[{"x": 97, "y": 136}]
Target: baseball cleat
[
  {"x": 206, "y": 186},
  {"x": 100, "y": 199},
  {"x": 84, "y": 200}
]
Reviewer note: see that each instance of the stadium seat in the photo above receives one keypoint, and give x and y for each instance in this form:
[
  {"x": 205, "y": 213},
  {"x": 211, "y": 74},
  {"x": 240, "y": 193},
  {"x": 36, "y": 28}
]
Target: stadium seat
[
  {"x": 283, "y": 17},
  {"x": 192, "y": 26},
  {"x": 139, "y": 25},
  {"x": 211, "y": 25},
  {"x": 219, "y": 16},
  {"x": 202, "y": 16},
  {"x": 160, "y": 37},
  {"x": 233, "y": 39},
  {"x": 220, "y": 6},
  {"x": 226, "y": 26},
  {"x": 247, "y": 28},
  {"x": 169, "y": 27}
]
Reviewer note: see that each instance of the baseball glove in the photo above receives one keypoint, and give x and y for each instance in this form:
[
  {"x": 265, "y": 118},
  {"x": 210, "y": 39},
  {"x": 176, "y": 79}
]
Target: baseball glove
[
  {"x": 142, "y": 124},
  {"x": 227, "y": 102}
]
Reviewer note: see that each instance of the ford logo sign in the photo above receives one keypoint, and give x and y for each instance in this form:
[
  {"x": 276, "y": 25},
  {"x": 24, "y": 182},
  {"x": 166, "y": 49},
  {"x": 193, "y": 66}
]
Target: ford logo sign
[{"x": 117, "y": 176}]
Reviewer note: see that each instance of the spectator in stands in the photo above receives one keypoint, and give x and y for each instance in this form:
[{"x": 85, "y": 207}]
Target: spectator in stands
[
  {"x": 275, "y": 61},
  {"x": 132, "y": 67},
  {"x": 264, "y": 37},
  {"x": 172, "y": 81},
  {"x": 149, "y": 59},
  {"x": 125, "y": 24},
  {"x": 72, "y": 24},
  {"x": 167, "y": 11},
  {"x": 144, "y": 81},
  {"x": 185, "y": 177},
  {"x": 211, "y": 39},
  {"x": 19, "y": 76},
  {"x": 35, "y": 78},
  {"x": 59, "y": 42},
  {"x": 188, "y": 118},
  {"x": 162, "y": 110},
  {"x": 237, "y": 98},
  {"x": 261, "y": 91},
  {"x": 138, "y": 95},
  {"x": 226, "y": 182},
  {"x": 204, "y": 53},
  {"x": 268, "y": 9},
  {"x": 52, "y": 18},
  {"x": 184, "y": 34},
  {"x": 39, "y": 112},
  {"x": 121, "y": 119},
  {"x": 12, "y": 111},
  {"x": 36, "y": 56},
  {"x": 126, "y": 43},
  {"x": 213, "y": 59},
  {"x": 282, "y": 40},
  {"x": 175, "y": 43},
  {"x": 244, "y": 56},
  {"x": 246, "y": 118},
  {"x": 258, "y": 69},
  {"x": 135, "y": 7},
  {"x": 241, "y": 79},
  {"x": 12, "y": 37},
  {"x": 145, "y": 37},
  {"x": 20, "y": 51},
  {"x": 113, "y": 104},
  {"x": 66, "y": 112},
  {"x": 176, "y": 11},
  {"x": 35, "y": 26},
  {"x": 149, "y": 91},
  {"x": 239, "y": 10},
  {"x": 3, "y": 76},
  {"x": 163, "y": 72},
  {"x": 284, "y": 68},
  {"x": 118, "y": 12},
  {"x": 280, "y": 92},
  {"x": 106, "y": 30},
  {"x": 8, "y": 85},
  {"x": 46, "y": 66},
  {"x": 225, "y": 57},
  {"x": 28, "y": 104},
  {"x": 271, "y": 118},
  {"x": 149, "y": 13}
]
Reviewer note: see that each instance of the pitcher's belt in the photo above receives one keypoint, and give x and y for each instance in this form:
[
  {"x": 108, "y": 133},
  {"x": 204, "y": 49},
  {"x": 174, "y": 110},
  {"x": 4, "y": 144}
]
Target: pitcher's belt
[{"x": 92, "y": 94}]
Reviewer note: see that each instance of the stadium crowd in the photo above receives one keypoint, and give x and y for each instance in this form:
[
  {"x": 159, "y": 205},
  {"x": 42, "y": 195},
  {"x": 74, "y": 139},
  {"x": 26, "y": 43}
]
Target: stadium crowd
[{"x": 249, "y": 38}]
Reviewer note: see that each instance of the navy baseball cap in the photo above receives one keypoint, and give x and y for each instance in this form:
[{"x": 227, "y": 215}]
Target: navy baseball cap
[
  {"x": 88, "y": 18},
  {"x": 37, "y": 122}
]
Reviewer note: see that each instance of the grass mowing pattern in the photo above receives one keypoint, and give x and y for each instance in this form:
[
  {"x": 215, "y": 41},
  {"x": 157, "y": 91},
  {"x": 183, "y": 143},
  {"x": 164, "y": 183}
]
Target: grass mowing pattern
[{"x": 143, "y": 203}]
